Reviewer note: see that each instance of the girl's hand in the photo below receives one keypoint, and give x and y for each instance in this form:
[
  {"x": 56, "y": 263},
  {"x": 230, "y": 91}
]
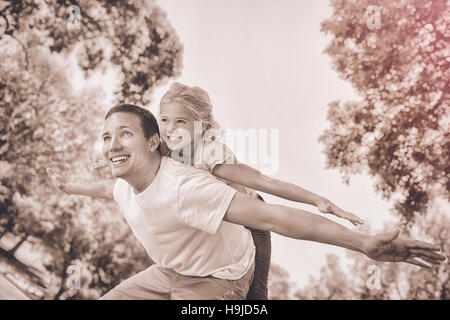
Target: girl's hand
[
  {"x": 56, "y": 180},
  {"x": 326, "y": 206}
]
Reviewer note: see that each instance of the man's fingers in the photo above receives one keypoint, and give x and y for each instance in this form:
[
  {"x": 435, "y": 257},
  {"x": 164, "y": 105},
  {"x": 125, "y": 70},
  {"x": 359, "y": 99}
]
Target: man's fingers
[
  {"x": 427, "y": 253},
  {"x": 55, "y": 179},
  {"x": 428, "y": 260},
  {"x": 50, "y": 172},
  {"x": 53, "y": 175},
  {"x": 415, "y": 244},
  {"x": 416, "y": 262}
]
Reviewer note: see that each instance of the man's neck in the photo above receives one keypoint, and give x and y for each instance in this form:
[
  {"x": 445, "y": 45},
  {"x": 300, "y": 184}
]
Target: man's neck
[{"x": 146, "y": 177}]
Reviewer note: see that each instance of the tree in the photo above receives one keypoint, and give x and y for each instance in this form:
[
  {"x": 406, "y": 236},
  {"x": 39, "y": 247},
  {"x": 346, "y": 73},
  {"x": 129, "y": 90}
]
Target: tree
[
  {"x": 77, "y": 232},
  {"x": 398, "y": 131},
  {"x": 280, "y": 287},
  {"x": 396, "y": 280},
  {"x": 134, "y": 36},
  {"x": 43, "y": 123},
  {"x": 333, "y": 283},
  {"x": 60, "y": 129}
]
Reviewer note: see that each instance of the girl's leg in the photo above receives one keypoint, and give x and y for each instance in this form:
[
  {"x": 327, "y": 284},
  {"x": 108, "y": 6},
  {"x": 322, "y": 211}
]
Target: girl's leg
[{"x": 262, "y": 240}]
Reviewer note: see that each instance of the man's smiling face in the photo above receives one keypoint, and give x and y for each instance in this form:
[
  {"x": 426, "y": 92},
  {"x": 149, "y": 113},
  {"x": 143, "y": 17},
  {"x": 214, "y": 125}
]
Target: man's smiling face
[{"x": 125, "y": 147}]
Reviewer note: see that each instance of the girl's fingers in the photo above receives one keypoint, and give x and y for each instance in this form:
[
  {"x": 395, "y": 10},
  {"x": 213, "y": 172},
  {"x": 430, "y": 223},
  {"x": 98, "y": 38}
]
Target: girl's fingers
[
  {"x": 355, "y": 218},
  {"x": 352, "y": 218},
  {"x": 357, "y": 221},
  {"x": 353, "y": 221}
]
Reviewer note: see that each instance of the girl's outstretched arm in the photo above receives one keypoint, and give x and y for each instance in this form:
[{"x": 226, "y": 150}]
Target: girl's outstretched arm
[
  {"x": 102, "y": 188},
  {"x": 252, "y": 178}
]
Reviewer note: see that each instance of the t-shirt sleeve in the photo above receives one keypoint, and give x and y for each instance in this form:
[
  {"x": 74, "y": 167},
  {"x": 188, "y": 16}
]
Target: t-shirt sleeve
[
  {"x": 215, "y": 153},
  {"x": 203, "y": 201},
  {"x": 119, "y": 192}
]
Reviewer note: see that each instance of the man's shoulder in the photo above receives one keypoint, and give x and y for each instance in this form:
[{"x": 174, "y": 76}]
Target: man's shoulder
[
  {"x": 181, "y": 175},
  {"x": 120, "y": 184},
  {"x": 120, "y": 190},
  {"x": 177, "y": 169}
]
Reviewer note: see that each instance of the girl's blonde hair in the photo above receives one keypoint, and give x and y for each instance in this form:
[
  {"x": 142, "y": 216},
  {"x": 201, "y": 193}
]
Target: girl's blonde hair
[{"x": 195, "y": 99}]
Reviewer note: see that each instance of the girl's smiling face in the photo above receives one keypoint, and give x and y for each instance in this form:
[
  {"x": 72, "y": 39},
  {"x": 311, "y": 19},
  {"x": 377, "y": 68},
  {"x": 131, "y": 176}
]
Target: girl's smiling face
[{"x": 176, "y": 124}]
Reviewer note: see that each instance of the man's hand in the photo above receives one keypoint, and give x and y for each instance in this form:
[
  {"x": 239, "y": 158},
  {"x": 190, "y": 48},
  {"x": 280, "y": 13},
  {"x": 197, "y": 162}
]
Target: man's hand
[
  {"x": 56, "y": 180},
  {"x": 388, "y": 247},
  {"x": 326, "y": 206}
]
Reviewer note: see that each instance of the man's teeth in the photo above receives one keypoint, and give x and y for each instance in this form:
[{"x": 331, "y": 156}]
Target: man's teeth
[{"x": 121, "y": 158}]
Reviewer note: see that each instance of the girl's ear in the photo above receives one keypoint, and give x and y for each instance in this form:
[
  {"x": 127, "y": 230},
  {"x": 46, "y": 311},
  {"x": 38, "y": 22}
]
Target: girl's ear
[{"x": 154, "y": 142}]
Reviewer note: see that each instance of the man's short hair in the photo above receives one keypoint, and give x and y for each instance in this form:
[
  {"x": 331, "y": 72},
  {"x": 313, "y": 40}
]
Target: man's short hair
[{"x": 148, "y": 121}]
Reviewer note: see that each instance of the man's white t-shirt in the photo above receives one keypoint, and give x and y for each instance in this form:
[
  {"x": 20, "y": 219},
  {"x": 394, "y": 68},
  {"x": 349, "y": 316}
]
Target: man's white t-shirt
[{"x": 178, "y": 220}]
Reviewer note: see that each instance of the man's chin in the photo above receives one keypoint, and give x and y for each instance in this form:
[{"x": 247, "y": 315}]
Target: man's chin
[{"x": 118, "y": 172}]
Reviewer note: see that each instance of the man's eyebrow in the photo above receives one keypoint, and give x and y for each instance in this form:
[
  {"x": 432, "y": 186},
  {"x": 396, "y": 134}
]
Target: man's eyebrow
[
  {"x": 104, "y": 133},
  {"x": 121, "y": 127}
]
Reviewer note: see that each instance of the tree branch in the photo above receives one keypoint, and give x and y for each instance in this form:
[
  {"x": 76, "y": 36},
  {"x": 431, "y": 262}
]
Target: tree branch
[{"x": 24, "y": 50}]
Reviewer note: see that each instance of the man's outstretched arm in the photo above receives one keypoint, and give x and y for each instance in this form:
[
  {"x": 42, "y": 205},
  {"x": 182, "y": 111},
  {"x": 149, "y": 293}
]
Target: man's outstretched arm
[
  {"x": 303, "y": 225},
  {"x": 102, "y": 188}
]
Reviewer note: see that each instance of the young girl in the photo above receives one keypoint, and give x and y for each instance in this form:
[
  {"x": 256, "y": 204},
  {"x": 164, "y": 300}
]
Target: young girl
[
  {"x": 180, "y": 108},
  {"x": 186, "y": 120}
]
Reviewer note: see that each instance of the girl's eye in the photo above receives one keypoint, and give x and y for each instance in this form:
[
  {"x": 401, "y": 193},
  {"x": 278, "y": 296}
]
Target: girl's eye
[
  {"x": 126, "y": 133},
  {"x": 181, "y": 121},
  {"x": 163, "y": 120},
  {"x": 106, "y": 139}
]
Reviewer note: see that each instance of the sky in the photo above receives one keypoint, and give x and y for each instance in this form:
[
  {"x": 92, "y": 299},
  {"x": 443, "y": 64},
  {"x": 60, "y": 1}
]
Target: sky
[{"x": 262, "y": 63}]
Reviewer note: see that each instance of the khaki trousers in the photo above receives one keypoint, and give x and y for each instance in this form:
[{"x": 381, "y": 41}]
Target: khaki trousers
[{"x": 157, "y": 283}]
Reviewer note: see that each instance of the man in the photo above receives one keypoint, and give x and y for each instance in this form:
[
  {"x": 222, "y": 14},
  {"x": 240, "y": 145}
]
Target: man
[{"x": 191, "y": 224}]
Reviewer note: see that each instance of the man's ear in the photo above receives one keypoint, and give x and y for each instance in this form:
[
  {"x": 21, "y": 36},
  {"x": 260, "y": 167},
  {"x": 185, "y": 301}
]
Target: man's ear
[{"x": 153, "y": 142}]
